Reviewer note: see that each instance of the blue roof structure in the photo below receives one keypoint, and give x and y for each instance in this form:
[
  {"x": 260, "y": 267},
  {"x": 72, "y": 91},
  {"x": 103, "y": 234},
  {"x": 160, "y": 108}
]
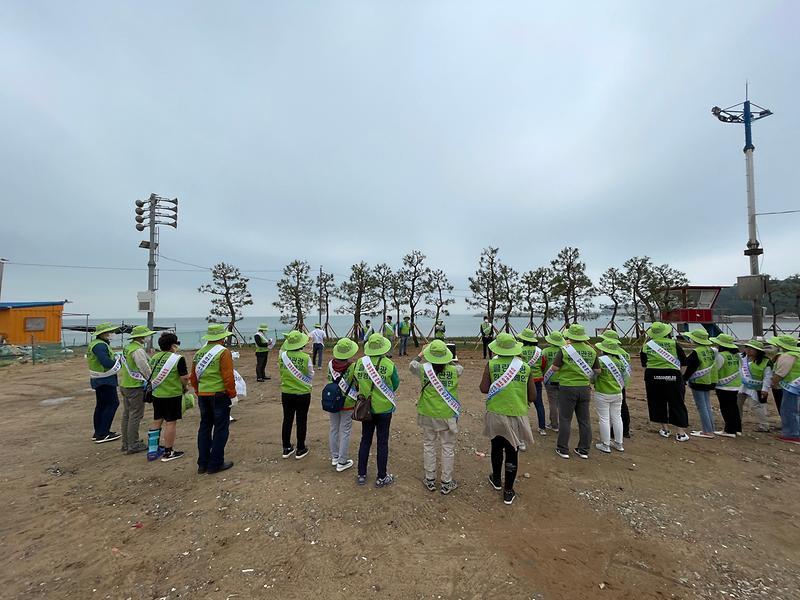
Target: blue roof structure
[{"x": 7, "y": 305}]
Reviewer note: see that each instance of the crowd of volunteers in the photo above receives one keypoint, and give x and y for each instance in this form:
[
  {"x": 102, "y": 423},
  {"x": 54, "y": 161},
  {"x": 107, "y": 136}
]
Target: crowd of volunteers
[{"x": 573, "y": 374}]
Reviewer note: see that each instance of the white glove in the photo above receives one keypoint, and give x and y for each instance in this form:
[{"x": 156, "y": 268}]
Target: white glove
[
  {"x": 234, "y": 400},
  {"x": 235, "y": 355}
]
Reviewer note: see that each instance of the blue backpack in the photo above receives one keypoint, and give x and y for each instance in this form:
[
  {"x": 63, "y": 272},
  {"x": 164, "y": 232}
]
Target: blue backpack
[{"x": 332, "y": 396}]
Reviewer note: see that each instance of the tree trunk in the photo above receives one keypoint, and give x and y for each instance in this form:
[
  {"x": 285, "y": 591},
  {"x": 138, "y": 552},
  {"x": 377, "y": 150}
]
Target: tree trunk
[{"x": 614, "y": 315}]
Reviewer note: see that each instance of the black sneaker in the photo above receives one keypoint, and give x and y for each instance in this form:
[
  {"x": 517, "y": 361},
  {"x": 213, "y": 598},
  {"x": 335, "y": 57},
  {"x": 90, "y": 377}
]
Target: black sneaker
[
  {"x": 201, "y": 470},
  {"x": 223, "y": 467},
  {"x": 430, "y": 484},
  {"x": 562, "y": 453},
  {"x": 496, "y": 484},
  {"x": 136, "y": 448},
  {"x": 581, "y": 453},
  {"x": 508, "y": 496},
  {"x": 172, "y": 455},
  {"x": 287, "y": 452},
  {"x": 448, "y": 486},
  {"x": 301, "y": 453},
  {"x": 113, "y": 435}
]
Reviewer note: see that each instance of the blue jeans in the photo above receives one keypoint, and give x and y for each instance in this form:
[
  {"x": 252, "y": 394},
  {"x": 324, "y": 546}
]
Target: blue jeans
[
  {"x": 790, "y": 415},
  {"x": 215, "y": 412},
  {"x": 702, "y": 399},
  {"x": 539, "y": 405},
  {"x": 403, "y": 345},
  {"x": 316, "y": 355},
  {"x": 104, "y": 409},
  {"x": 379, "y": 423}
]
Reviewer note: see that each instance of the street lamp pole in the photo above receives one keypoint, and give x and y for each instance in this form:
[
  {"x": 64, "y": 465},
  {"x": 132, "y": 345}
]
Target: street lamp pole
[{"x": 743, "y": 113}]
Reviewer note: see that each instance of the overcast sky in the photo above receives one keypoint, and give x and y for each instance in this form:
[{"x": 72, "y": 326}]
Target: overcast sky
[{"x": 340, "y": 131}]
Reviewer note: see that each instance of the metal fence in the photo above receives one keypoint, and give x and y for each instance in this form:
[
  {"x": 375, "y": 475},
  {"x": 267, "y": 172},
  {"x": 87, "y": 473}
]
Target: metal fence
[{"x": 37, "y": 353}]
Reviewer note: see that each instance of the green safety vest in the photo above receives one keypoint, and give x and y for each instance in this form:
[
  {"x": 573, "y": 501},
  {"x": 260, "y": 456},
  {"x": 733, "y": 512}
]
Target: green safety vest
[
  {"x": 262, "y": 348},
  {"x": 570, "y": 374},
  {"x": 380, "y": 404},
  {"x": 347, "y": 377},
  {"x": 388, "y": 330},
  {"x": 606, "y": 383},
  {"x": 793, "y": 373},
  {"x": 728, "y": 368},
  {"x": 512, "y": 400},
  {"x": 289, "y": 383},
  {"x": 655, "y": 360},
  {"x": 550, "y": 353},
  {"x": 91, "y": 358},
  {"x": 707, "y": 357},
  {"x": 438, "y": 333},
  {"x": 172, "y": 385},
  {"x": 486, "y": 329},
  {"x": 405, "y": 328},
  {"x": 430, "y": 402},
  {"x": 757, "y": 370},
  {"x": 127, "y": 380},
  {"x": 527, "y": 355},
  {"x": 211, "y": 380}
]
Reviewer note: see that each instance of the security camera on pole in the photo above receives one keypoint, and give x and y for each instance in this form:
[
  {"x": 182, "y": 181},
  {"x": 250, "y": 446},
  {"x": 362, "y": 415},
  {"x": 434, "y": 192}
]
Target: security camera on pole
[
  {"x": 753, "y": 287},
  {"x": 150, "y": 213}
]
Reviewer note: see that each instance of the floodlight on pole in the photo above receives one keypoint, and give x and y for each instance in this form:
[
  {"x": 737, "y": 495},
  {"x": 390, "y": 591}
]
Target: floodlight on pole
[{"x": 743, "y": 113}]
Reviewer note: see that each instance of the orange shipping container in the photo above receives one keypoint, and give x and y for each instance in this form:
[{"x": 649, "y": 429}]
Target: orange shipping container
[{"x": 21, "y": 322}]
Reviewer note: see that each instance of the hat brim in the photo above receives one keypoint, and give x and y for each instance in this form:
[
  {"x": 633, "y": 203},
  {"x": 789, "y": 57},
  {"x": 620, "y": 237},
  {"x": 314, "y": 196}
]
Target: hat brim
[
  {"x": 500, "y": 351},
  {"x": 289, "y": 346},
  {"x": 386, "y": 345},
  {"x": 609, "y": 350},
  {"x": 718, "y": 342},
  {"x": 523, "y": 338},
  {"x": 653, "y": 336},
  {"x": 780, "y": 344},
  {"x": 701, "y": 341},
  {"x": 576, "y": 338},
  {"x": 345, "y": 355},
  {"x": 751, "y": 346},
  {"x": 555, "y": 342},
  {"x": 148, "y": 333},
  {"x": 105, "y": 330},
  {"x": 437, "y": 360},
  {"x": 605, "y": 336}
]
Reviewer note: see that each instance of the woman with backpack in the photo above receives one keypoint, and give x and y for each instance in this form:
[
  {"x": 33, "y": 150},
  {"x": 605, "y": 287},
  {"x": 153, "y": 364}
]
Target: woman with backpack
[
  {"x": 341, "y": 377},
  {"x": 438, "y": 410}
]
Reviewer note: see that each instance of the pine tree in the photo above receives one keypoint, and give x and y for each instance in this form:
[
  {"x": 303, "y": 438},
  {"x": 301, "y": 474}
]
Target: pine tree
[
  {"x": 484, "y": 284},
  {"x": 439, "y": 296},
  {"x": 416, "y": 276},
  {"x": 230, "y": 294},
  {"x": 612, "y": 283},
  {"x": 295, "y": 293},
  {"x": 574, "y": 286},
  {"x": 358, "y": 295}
]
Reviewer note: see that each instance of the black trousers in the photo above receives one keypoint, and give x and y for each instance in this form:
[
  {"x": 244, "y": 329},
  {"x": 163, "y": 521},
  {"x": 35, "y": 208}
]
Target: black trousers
[
  {"x": 295, "y": 407},
  {"x": 777, "y": 395},
  {"x": 486, "y": 341},
  {"x": 261, "y": 364},
  {"x": 665, "y": 390},
  {"x": 729, "y": 407},
  {"x": 501, "y": 446}
]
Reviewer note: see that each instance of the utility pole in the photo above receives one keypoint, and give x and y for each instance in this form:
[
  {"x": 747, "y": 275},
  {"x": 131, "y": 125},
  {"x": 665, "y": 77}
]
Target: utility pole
[
  {"x": 3, "y": 262},
  {"x": 149, "y": 214},
  {"x": 743, "y": 113},
  {"x": 319, "y": 291}
]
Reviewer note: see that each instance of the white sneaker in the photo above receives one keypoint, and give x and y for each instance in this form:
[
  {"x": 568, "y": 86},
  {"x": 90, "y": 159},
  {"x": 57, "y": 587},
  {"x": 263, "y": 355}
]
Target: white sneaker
[
  {"x": 682, "y": 437},
  {"x": 617, "y": 447},
  {"x": 603, "y": 448},
  {"x": 724, "y": 434},
  {"x": 664, "y": 433},
  {"x": 522, "y": 447},
  {"x": 334, "y": 461},
  {"x": 345, "y": 466},
  {"x": 542, "y": 432}
]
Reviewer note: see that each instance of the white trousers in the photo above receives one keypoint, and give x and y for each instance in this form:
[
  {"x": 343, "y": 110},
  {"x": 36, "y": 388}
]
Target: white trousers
[{"x": 609, "y": 411}]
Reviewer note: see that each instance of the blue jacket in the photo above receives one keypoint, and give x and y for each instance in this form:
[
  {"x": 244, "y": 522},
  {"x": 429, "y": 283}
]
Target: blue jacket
[{"x": 107, "y": 360}]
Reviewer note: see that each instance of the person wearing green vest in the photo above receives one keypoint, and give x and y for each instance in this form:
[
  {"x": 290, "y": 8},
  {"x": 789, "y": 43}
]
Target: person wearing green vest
[
  {"x": 756, "y": 375},
  {"x": 297, "y": 371},
  {"x": 577, "y": 365},
  {"x": 612, "y": 336},
  {"x": 134, "y": 373},
  {"x": 368, "y": 331},
  {"x": 662, "y": 359},
  {"x": 550, "y": 379},
  {"x": 388, "y": 333},
  {"x": 213, "y": 379},
  {"x": 608, "y": 386},
  {"x": 786, "y": 375},
  {"x": 509, "y": 390},
  {"x": 404, "y": 331},
  {"x": 342, "y": 367},
  {"x": 263, "y": 345},
  {"x": 169, "y": 383},
  {"x": 701, "y": 375},
  {"x": 438, "y": 410},
  {"x": 378, "y": 380},
  {"x": 487, "y": 335},
  {"x": 103, "y": 368},
  {"x": 728, "y": 383},
  {"x": 535, "y": 359}
]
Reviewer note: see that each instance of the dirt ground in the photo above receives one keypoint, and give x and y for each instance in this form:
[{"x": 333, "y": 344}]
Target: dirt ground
[{"x": 703, "y": 519}]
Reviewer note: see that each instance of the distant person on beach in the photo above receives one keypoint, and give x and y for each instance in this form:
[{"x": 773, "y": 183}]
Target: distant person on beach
[
  {"x": 388, "y": 333},
  {"x": 135, "y": 372},
  {"x": 509, "y": 391},
  {"x": 612, "y": 336},
  {"x": 550, "y": 379},
  {"x": 729, "y": 381},
  {"x": 297, "y": 371},
  {"x": 608, "y": 386},
  {"x": 438, "y": 410},
  {"x": 169, "y": 383},
  {"x": 577, "y": 365},
  {"x": 786, "y": 375},
  {"x": 263, "y": 345},
  {"x": 701, "y": 376},
  {"x": 103, "y": 368},
  {"x": 534, "y": 357},
  {"x": 439, "y": 330},
  {"x": 756, "y": 375},
  {"x": 377, "y": 379},
  {"x": 404, "y": 331},
  {"x": 368, "y": 331},
  {"x": 212, "y": 377},
  {"x": 341, "y": 370},
  {"x": 317, "y": 336},
  {"x": 487, "y": 335},
  {"x": 662, "y": 359}
]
